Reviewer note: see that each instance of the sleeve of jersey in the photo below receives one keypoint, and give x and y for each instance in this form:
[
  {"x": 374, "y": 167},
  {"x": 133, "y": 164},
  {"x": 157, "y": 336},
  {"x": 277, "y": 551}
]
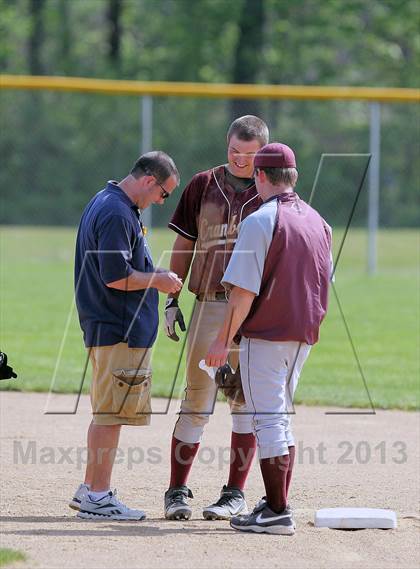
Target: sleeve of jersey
[
  {"x": 184, "y": 219},
  {"x": 114, "y": 249},
  {"x": 246, "y": 265}
]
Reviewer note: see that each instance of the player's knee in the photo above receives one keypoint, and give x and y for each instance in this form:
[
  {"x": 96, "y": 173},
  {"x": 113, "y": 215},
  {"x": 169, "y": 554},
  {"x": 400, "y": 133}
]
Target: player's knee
[
  {"x": 190, "y": 427},
  {"x": 242, "y": 423},
  {"x": 272, "y": 421},
  {"x": 273, "y": 435},
  {"x": 266, "y": 421},
  {"x": 199, "y": 401}
]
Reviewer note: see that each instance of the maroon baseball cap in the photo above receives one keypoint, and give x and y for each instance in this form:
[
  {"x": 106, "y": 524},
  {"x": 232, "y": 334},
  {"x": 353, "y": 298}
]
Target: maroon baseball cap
[{"x": 275, "y": 155}]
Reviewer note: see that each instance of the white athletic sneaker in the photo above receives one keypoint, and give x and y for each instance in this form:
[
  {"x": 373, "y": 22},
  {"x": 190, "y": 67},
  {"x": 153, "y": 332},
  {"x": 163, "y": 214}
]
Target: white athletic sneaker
[
  {"x": 176, "y": 505},
  {"x": 231, "y": 503},
  {"x": 81, "y": 493},
  {"x": 108, "y": 508}
]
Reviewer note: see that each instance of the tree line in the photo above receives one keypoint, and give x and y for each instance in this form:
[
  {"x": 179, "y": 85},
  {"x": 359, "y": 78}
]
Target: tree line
[{"x": 57, "y": 149}]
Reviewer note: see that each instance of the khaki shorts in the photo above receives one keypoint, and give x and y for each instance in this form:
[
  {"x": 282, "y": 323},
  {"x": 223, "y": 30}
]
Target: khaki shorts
[{"x": 121, "y": 385}]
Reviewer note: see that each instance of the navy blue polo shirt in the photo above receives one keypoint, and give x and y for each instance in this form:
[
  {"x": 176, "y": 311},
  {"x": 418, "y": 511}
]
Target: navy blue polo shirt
[{"x": 110, "y": 244}]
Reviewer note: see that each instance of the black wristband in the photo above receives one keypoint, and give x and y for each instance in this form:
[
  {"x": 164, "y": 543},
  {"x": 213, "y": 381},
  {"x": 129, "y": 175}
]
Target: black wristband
[{"x": 171, "y": 303}]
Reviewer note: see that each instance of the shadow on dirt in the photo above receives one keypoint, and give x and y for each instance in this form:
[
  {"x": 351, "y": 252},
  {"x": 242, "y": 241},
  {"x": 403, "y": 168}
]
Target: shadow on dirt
[{"x": 94, "y": 528}]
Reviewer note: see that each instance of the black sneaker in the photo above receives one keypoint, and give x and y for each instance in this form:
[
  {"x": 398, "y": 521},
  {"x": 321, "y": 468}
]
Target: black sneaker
[
  {"x": 231, "y": 503},
  {"x": 176, "y": 507},
  {"x": 264, "y": 520},
  {"x": 287, "y": 509}
]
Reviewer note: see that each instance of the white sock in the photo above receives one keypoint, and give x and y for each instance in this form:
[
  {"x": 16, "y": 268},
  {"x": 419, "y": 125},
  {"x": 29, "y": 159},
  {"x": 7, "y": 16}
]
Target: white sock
[{"x": 98, "y": 495}]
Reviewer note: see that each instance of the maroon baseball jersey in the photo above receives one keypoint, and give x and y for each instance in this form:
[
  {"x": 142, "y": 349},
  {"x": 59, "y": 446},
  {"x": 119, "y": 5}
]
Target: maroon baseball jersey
[{"x": 209, "y": 212}]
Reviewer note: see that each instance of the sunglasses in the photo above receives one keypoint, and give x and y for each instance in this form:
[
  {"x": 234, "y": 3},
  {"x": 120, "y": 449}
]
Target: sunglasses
[{"x": 163, "y": 194}]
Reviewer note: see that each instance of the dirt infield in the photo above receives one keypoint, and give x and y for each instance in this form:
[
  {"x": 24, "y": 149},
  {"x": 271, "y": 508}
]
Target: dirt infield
[{"x": 343, "y": 460}]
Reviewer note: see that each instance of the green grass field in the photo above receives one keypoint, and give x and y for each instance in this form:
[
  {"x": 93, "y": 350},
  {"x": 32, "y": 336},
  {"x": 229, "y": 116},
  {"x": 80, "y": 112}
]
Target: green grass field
[
  {"x": 8, "y": 556},
  {"x": 40, "y": 331}
]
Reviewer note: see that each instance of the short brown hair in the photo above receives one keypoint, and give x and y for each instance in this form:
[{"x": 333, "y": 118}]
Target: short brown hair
[
  {"x": 155, "y": 163},
  {"x": 248, "y": 128},
  {"x": 276, "y": 176}
]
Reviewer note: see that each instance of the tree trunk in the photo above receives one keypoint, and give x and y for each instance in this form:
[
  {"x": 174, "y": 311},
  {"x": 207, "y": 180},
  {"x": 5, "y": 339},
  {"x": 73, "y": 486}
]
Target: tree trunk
[
  {"x": 114, "y": 27},
  {"x": 36, "y": 37},
  {"x": 248, "y": 54},
  {"x": 65, "y": 36}
]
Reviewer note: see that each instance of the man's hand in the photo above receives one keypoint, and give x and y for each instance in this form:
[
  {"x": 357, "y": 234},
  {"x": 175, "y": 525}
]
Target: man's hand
[
  {"x": 173, "y": 314},
  {"x": 218, "y": 354},
  {"x": 167, "y": 281}
]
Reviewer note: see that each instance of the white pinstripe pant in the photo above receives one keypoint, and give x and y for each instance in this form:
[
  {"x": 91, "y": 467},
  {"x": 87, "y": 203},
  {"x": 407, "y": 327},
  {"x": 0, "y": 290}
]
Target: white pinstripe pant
[{"x": 270, "y": 372}]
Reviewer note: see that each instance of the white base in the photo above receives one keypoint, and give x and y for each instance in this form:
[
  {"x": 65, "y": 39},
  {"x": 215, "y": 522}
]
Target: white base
[{"x": 355, "y": 518}]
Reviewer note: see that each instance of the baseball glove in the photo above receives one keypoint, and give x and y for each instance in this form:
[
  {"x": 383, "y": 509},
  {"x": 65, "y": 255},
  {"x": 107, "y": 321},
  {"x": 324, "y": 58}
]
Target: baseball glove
[
  {"x": 6, "y": 372},
  {"x": 230, "y": 383}
]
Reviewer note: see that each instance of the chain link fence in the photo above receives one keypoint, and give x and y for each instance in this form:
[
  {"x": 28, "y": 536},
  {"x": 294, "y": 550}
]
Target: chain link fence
[{"x": 59, "y": 148}]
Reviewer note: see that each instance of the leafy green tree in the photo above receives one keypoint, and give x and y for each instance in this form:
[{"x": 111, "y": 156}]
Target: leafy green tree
[
  {"x": 248, "y": 54},
  {"x": 36, "y": 37},
  {"x": 57, "y": 149}
]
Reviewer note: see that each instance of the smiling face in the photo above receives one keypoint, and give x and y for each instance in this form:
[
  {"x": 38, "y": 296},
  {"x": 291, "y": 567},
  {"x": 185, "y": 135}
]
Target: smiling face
[{"x": 241, "y": 156}]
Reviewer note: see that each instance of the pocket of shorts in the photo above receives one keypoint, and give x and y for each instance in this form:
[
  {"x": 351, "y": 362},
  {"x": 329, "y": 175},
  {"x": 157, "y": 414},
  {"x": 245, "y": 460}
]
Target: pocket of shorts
[{"x": 131, "y": 392}]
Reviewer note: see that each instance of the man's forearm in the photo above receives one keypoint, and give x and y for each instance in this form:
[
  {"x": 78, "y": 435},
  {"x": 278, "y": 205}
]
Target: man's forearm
[
  {"x": 239, "y": 305},
  {"x": 135, "y": 281},
  {"x": 182, "y": 254}
]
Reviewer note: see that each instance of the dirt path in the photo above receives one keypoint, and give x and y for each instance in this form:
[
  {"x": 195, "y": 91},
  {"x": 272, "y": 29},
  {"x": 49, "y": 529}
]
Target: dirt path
[{"x": 35, "y": 517}]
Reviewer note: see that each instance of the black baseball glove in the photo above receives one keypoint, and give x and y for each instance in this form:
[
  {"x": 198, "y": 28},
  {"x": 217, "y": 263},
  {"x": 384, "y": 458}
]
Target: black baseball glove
[
  {"x": 6, "y": 372},
  {"x": 230, "y": 383}
]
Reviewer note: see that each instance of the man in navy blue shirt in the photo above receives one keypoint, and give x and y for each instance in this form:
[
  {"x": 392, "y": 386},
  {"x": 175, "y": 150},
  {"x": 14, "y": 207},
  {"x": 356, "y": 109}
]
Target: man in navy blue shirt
[{"x": 116, "y": 287}]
